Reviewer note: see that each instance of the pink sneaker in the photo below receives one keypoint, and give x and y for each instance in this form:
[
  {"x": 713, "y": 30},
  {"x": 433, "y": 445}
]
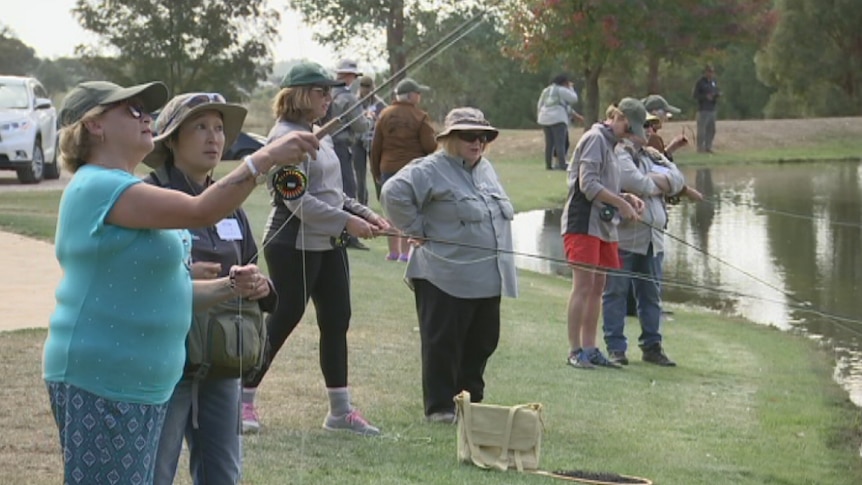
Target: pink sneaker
[
  {"x": 404, "y": 258},
  {"x": 352, "y": 421},
  {"x": 392, "y": 257},
  {"x": 250, "y": 419}
]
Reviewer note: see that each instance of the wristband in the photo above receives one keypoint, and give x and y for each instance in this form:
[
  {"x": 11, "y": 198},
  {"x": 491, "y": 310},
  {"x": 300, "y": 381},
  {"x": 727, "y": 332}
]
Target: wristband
[{"x": 251, "y": 167}]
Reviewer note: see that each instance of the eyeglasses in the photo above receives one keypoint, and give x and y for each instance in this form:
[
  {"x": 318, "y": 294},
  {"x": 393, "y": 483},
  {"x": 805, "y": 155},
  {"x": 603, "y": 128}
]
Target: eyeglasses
[
  {"x": 324, "y": 90},
  {"x": 135, "y": 108},
  {"x": 471, "y": 136},
  {"x": 194, "y": 101}
]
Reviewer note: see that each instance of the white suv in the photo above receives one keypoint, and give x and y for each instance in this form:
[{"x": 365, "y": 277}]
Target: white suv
[{"x": 28, "y": 130}]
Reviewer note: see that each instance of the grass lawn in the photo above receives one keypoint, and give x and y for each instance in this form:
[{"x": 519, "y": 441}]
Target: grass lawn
[{"x": 747, "y": 405}]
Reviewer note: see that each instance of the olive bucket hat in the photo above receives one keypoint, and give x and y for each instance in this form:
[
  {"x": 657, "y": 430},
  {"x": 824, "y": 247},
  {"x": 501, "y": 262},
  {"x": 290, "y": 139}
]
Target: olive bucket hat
[
  {"x": 467, "y": 119},
  {"x": 88, "y": 95},
  {"x": 183, "y": 107}
]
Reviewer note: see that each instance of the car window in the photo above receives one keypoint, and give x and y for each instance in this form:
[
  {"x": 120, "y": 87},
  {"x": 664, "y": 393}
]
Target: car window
[
  {"x": 39, "y": 91},
  {"x": 13, "y": 96}
]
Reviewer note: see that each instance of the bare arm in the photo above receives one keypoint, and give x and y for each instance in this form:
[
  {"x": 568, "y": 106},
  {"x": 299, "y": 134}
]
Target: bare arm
[{"x": 144, "y": 206}]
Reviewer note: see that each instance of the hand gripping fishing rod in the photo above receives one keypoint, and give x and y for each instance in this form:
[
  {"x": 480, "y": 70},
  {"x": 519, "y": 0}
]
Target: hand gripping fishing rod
[{"x": 291, "y": 182}]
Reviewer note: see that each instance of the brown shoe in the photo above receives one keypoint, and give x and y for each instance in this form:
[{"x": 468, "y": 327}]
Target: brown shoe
[{"x": 654, "y": 354}]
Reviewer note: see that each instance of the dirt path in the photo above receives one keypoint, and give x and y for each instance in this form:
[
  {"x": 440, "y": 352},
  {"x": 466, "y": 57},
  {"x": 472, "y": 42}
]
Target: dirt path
[{"x": 28, "y": 284}]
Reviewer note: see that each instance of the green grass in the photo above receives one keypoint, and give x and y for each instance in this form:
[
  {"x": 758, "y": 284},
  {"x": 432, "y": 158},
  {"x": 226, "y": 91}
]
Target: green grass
[{"x": 747, "y": 405}]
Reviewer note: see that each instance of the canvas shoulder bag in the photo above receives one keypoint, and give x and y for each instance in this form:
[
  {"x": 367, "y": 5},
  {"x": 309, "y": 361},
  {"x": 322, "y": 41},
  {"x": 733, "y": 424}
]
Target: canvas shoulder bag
[{"x": 499, "y": 437}]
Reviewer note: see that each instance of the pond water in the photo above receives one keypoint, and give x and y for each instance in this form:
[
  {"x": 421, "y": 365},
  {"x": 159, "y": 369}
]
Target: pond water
[{"x": 778, "y": 244}]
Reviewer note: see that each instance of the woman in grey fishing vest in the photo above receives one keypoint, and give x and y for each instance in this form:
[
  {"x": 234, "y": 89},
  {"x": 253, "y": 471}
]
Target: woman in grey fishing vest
[
  {"x": 193, "y": 130},
  {"x": 454, "y": 195}
]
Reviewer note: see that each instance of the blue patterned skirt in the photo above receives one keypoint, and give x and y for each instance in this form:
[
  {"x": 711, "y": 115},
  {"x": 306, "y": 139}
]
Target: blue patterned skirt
[{"x": 105, "y": 441}]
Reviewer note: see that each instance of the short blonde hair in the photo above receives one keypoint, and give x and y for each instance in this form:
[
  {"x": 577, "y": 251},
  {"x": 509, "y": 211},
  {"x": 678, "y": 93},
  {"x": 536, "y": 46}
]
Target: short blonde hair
[
  {"x": 613, "y": 113},
  {"x": 76, "y": 142},
  {"x": 293, "y": 104}
]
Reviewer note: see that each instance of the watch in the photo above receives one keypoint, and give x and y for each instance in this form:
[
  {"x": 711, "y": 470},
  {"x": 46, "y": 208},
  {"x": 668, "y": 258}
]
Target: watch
[{"x": 259, "y": 177}]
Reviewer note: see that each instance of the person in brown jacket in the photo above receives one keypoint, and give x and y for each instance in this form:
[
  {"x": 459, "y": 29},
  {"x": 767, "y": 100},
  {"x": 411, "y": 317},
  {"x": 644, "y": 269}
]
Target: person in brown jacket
[{"x": 402, "y": 133}]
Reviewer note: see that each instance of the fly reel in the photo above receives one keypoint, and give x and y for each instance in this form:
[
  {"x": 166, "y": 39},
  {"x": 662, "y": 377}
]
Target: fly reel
[{"x": 290, "y": 182}]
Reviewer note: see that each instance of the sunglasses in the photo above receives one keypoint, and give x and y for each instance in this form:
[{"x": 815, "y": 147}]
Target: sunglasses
[
  {"x": 324, "y": 90},
  {"x": 471, "y": 136},
  {"x": 194, "y": 101},
  {"x": 135, "y": 108}
]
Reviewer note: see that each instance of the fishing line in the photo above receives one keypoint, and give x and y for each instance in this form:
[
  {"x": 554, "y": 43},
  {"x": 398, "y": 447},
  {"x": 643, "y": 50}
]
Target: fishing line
[
  {"x": 717, "y": 202},
  {"x": 795, "y": 304}
]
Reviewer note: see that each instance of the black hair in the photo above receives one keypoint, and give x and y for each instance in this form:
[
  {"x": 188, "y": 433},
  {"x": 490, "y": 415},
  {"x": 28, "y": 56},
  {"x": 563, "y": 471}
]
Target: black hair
[{"x": 561, "y": 79}]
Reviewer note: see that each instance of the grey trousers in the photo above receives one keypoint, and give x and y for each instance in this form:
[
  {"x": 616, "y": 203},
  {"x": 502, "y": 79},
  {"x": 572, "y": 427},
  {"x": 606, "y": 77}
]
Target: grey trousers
[{"x": 705, "y": 130}]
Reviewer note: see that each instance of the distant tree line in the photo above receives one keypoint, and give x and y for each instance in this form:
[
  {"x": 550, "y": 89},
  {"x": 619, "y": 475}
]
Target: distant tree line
[{"x": 774, "y": 58}]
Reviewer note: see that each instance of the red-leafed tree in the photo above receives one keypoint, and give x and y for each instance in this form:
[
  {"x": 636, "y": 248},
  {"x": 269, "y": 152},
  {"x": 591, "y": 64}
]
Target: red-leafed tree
[{"x": 589, "y": 37}]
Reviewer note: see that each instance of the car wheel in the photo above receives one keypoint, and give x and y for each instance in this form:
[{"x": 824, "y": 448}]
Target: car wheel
[
  {"x": 52, "y": 170},
  {"x": 32, "y": 174}
]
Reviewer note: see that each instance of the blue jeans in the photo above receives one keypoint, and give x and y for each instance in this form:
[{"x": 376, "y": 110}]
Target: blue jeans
[
  {"x": 215, "y": 455},
  {"x": 647, "y": 294}
]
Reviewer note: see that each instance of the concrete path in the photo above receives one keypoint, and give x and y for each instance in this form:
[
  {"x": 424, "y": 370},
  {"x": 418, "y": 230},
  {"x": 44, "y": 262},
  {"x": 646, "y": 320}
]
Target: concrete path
[{"x": 31, "y": 273}]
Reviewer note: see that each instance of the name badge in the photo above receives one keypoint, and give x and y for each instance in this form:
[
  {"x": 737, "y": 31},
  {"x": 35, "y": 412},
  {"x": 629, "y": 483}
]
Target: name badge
[{"x": 228, "y": 230}]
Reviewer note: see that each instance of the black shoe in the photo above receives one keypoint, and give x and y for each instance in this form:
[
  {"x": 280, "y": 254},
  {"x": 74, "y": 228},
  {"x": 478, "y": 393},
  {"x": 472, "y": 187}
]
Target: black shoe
[
  {"x": 618, "y": 356},
  {"x": 354, "y": 243},
  {"x": 654, "y": 354}
]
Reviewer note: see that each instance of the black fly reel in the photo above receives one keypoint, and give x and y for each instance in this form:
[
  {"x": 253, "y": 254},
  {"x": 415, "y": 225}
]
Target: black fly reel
[{"x": 290, "y": 182}]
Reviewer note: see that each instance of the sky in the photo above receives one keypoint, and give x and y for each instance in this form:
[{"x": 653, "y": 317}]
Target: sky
[{"x": 48, "y": 27}]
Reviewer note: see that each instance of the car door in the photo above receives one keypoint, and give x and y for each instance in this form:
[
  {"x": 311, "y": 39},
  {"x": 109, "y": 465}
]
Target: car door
[{"x": 46, "y": 118}]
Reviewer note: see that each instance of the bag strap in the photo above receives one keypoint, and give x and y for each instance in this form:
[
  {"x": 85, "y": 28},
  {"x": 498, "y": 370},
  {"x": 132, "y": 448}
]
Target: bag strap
[{"x": 464, "y": 405}]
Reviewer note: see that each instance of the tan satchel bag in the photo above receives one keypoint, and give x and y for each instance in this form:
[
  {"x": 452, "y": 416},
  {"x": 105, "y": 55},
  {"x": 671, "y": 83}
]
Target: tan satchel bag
[{"x": 499, "y": 437}]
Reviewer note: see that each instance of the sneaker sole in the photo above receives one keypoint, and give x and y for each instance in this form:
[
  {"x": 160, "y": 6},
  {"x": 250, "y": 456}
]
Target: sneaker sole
[
  {"x": 250, "y": 428},
  {"x": 348, "y": 430}
]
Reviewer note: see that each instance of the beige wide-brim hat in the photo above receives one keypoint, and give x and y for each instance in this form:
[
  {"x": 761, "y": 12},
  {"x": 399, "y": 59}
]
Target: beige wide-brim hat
[
  {"x": 184, "y": 107},
  {"x": 467, "y": 119}
]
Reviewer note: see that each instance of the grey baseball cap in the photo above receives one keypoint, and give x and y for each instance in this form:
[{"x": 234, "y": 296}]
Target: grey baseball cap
[
  {"x": 635, "y": 114},
  {"x": 88, "y": 95},
  {"x": 408, "y": 85}
]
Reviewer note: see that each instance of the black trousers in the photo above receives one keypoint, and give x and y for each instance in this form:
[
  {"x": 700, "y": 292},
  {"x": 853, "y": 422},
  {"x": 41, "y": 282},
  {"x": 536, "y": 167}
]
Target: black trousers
[
  {"x": 360, "y": 169},
  {"x": 458, "y": 336},
  {"x": 326, "y": 277},
  {"x": 348, "y": 176}
]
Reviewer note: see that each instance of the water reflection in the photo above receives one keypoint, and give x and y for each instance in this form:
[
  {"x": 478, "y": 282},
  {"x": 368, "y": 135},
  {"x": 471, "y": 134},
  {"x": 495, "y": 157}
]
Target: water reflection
[{"x": 795, "y": 228}]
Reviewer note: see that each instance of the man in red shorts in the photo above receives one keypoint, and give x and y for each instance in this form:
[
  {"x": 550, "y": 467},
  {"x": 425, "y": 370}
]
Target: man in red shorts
[{"x": 593, "y": 209}]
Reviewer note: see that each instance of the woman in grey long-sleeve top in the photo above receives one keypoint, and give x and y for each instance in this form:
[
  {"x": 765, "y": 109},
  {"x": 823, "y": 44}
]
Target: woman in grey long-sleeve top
[
  {"x": 305, "y": 253},
  {"x": 452, "y": 203}
]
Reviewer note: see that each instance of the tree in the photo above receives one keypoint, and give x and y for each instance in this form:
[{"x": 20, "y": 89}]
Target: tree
[
  {"x": 596, "y": 38},
  {"x": 343, "y": 23},
  {"x": 814, "y": 59},
  {"x": 16, "y": 57},
  {"x": 191, "y": 45}
]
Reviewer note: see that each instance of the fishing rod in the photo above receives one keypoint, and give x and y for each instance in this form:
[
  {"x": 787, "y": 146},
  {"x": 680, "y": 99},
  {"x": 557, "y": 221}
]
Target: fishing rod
[
  {"x": 291, "y": 182},
  {"x": 417, "y": 67}
]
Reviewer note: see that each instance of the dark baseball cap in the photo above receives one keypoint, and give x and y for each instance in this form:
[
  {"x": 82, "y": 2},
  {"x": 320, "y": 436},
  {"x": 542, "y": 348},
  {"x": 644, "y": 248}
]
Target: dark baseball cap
[
  {"x": 408, "y": 85},
  {"x": 635, "y": 114},
  {"x": 309, "y": 74},
  {"x": 88, "y": 95}
]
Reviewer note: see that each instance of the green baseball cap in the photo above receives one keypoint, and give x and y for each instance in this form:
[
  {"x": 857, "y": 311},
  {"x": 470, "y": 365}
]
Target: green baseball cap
[
  {"x": 635, "y": 114},
  {"x": 183, "y": 107},
  {"x": 87, "y": 95},
  {"x": 309, "y": 74},
  {"x": 408, "y": 85},
  {"x": 655, "y": 102}
]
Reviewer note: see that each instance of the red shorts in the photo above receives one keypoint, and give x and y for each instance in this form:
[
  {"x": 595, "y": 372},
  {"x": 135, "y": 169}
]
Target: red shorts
[{"x": 586, "y": 249}]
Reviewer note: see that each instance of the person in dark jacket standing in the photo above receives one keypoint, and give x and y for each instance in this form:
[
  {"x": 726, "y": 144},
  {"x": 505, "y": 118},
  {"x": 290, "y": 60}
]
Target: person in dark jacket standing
[
  {"x": 706, "y": 93},
  {"x": 193, "y": 130}
]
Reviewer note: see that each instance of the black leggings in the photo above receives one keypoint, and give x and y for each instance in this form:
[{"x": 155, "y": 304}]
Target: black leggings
[{"x": 327, "y": 280}]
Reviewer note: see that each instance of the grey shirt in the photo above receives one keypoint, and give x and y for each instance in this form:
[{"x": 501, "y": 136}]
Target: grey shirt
[
  {"x": 324, "y": 209},
  {"x": 356, "y": 121},
  {"x": 636, "y": 236},
  {"x": 442, "y": 198},
  {"x": 593, "y": 167},
  {"x": 555, "y": 105}
]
